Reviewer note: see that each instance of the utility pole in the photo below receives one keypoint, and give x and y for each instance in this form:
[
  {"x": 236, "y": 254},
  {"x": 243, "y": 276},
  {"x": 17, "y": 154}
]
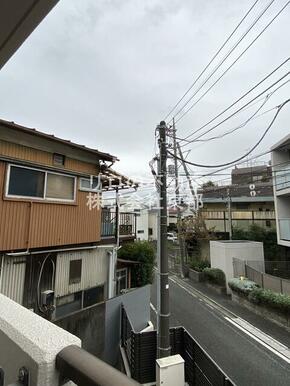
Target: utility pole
[
  {"x": 186, "y": 172},
  {"x": 177, "y": 198},
  {"x": 229, "y": 213},
  {"x": 164, "y": 349}
]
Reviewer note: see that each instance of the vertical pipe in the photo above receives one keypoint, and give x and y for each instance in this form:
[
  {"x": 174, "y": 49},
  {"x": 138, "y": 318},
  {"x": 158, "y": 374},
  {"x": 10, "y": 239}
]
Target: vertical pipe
[
  {"x": 177, "y": 198},
  {"x": 164, "y": 348}
]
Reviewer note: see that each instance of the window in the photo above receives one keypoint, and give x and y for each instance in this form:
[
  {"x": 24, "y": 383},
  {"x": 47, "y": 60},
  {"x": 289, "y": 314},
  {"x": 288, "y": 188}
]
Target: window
[
  {"x": 140, "y": 231},
  {"x": 58, "y": 159},
  {"x": 92, "y": 184},
  {"x": 26, "y": 182},
  {"x": 39, "y": 184},
  {"x": 75, "y": 271},
  {"x": 150, "y": 231},
  {"x": 59, "y": 187},
  {"x": 93, "y": 296}
]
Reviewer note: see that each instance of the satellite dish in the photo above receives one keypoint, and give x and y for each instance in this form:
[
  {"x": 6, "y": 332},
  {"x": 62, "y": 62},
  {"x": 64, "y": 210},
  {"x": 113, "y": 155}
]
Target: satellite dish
[
  {"x": 253, "y": 193},
  {"x": 252, "y": 186}
]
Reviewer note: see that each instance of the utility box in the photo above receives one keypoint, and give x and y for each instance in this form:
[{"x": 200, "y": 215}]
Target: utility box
[
  {"x": 170, "y": 371},
  {"x": 222, "y": 254}
]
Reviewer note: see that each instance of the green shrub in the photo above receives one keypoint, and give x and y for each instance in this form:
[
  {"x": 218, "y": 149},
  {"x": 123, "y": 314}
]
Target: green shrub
[
  {"x": 199, "y": 265},
  {"x": 143, "y": 252},
  {"x": 215, "y": 276},
  {"x": 242, "y": 286},
  {"x": 280, "y": 302}
]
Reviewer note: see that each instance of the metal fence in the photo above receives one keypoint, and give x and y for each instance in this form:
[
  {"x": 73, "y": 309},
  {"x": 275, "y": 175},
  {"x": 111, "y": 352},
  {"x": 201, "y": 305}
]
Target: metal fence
[
  {"x": 127, "y": 224},
  {"x": 141, "y": 350},
  {"x": 264, "y": 280}
]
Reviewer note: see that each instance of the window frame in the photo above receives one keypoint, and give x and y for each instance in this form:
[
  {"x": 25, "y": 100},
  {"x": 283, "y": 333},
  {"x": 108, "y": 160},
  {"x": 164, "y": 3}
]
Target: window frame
[
  {"x": 82, "y": 189},
  {"x": 44, "y": 198}
]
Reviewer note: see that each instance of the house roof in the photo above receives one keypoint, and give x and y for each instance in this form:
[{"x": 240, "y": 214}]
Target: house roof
[{"x": 99, "y": 154}]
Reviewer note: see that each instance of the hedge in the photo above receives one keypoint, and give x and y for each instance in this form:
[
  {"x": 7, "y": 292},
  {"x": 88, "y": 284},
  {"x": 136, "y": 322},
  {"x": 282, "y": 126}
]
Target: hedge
[
  {"x": 260, "y": 296},
  {"x": 199, "y": 265},
  {"x": 215, "y": 276},
  {"x": 242, "y": 286},
  {"x": 280, "y": 302}
]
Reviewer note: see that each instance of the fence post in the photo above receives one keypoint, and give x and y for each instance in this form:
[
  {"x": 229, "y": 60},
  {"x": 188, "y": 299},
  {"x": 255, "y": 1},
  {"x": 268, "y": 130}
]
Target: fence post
[
  {"x": 281, "y": 285},
  {"x": 262, "y": 279}
]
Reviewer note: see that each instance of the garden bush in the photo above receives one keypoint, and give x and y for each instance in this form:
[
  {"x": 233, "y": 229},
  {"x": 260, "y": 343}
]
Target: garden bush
[
  {"x": 199, "y": 265},
  {"x": 215, "y": 276},
  {"x": 143, "y": 252},
  {"x": 280, "y": 302},
  {"x": 242, "y": 286}
]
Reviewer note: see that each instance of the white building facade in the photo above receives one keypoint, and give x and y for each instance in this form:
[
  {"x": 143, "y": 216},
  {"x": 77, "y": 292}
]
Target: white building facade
[{"x": 281, "y": 173}]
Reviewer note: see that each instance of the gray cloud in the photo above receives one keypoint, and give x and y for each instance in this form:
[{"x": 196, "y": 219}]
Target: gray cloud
[{"x": 104, "y": 73}]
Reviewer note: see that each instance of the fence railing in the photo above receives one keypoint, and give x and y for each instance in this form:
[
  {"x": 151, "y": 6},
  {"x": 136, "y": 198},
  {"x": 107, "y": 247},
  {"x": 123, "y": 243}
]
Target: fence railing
[
  {"x": 84, "y": 369},
  {"x": 127, "y": 224},
  {"x": 141, "y": 350},
  {"x": 264, "y": 280}
]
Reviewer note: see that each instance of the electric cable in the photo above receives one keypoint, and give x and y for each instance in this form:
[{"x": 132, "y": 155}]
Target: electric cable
[
  {"x": 279, "y": 108},
  {"x": 237, "y": 111},
  {"x": 210, "y": 62},
  {"x": 235, "y": 61},
  {"x": 240, "y": 98}
]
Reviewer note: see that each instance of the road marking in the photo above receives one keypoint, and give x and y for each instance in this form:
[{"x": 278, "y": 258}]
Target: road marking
[
  {"x": 153, "y": 308},
  {"x": 259, "y": 336},
  {"x": 282, "y": 352}
]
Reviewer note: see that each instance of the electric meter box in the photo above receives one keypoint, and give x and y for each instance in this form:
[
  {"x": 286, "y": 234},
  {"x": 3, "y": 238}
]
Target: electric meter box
[
  {"x": 170, "y": 371},
  {"x": 47, "y": 298}
]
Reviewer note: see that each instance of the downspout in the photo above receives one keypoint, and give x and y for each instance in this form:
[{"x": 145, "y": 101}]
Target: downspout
[{"x": 1, "y": 272}]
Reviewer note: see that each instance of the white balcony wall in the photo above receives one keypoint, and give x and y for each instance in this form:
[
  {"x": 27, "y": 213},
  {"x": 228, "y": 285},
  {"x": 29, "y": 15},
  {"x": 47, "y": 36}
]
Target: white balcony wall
[{"x": 27, "y": 339}]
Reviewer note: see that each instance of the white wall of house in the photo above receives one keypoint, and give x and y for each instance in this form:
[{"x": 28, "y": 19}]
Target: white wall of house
[
  {"x": 281, "y": 166},
  {"x": 94, "y": 272},
  {"x": 12, "y": 277},
  {"x": 142, "y": 224}
]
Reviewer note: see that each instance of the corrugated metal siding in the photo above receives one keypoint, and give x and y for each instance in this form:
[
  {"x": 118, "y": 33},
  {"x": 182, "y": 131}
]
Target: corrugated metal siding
[
  {"x": 13, "y": 276},
  {"x": 40, "y": 157},
  {"x": 95, "y": 265},
  {"x": 32, "y": 224}
]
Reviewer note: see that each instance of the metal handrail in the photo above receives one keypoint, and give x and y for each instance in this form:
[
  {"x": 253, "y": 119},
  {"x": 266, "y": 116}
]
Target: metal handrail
[{"x": 84, "y": 369}]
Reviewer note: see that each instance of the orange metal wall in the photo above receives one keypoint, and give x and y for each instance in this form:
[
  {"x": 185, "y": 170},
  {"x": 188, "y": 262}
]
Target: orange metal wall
[
  {"x": 40, "y": 157},
  {"x": 31, "y": 224}
]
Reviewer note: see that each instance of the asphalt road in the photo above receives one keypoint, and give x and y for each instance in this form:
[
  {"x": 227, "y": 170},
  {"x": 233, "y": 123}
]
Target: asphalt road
[{"x": 246, "y": 354}]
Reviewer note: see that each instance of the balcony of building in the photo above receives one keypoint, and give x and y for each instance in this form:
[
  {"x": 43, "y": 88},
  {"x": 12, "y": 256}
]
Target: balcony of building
[
  {"x": 116, "y": 225},
  {"x": 282, "y": 179},
  {"x": 35, "y": 351}
]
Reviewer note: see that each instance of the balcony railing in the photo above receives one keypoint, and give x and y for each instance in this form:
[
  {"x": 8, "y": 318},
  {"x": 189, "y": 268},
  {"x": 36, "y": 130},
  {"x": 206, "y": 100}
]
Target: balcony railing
[
  {"x": 127, "y": 224},
  {"x": 51, "y": 355},
  {"x": 283, "y": 177},
  {"x": 284, "y": 226}
]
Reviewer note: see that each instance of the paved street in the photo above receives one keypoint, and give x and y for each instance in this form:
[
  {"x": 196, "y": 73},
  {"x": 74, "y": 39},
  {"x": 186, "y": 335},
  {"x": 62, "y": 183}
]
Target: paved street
[{"x": 238, "y": 344}]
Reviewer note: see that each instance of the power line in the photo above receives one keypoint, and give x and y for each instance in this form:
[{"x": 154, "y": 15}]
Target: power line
[
  {"x": 237, "y": 111},
  {"x": 224, "y": 59},
  {"x": 212, "y": 59},
  {"x": 240, "y": 98},
  {"x": 249, "y": 152},
  {"x": 235, "y": 61}
]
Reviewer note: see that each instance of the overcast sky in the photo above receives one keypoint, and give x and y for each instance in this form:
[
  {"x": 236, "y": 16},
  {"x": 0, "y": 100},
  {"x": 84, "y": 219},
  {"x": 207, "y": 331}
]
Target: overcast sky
[{"x": 104, "y": 73}]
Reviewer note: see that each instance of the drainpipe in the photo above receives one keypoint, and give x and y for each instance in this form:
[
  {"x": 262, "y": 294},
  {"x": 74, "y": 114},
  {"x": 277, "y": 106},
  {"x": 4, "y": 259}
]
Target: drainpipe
[{"x": 1, "y": 272}]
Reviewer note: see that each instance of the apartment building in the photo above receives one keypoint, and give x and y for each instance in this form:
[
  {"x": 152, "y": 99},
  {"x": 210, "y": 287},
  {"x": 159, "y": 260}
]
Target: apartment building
[{"x": 281, "y": 171}]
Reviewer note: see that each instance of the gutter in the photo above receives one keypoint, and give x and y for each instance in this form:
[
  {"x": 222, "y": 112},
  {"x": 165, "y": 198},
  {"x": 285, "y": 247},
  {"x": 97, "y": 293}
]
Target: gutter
[{"x": 27, "y": 252}]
